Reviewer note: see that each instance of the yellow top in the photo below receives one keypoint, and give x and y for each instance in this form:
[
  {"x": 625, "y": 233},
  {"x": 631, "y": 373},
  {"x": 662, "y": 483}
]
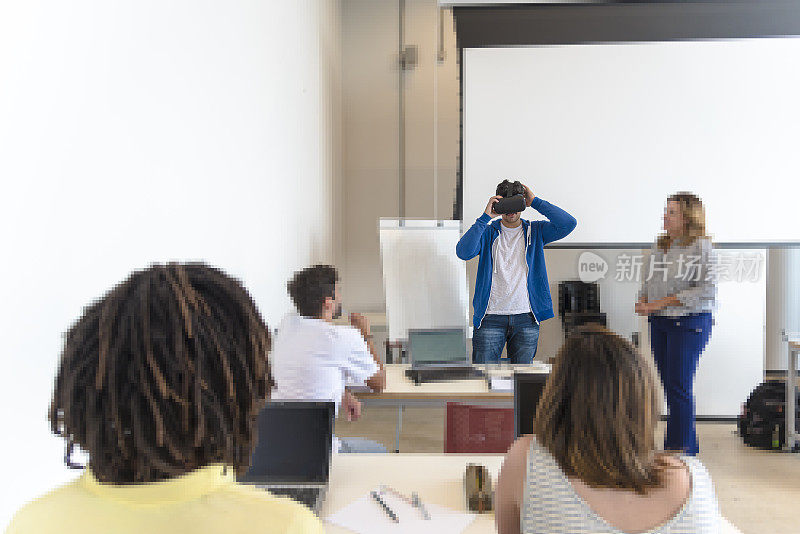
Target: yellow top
[{"x": 203, "y": 501}]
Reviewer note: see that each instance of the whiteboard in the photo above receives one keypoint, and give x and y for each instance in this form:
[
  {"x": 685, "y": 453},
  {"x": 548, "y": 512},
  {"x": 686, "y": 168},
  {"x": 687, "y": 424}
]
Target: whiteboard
[
  {"x": 424, "y": 281},
  {"x": 732, "y": 363},
  {"x": 608, "y": 131}
]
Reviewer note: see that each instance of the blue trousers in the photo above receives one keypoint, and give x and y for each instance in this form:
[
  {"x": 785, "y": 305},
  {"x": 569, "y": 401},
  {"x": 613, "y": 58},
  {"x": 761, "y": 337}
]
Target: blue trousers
[
  {"x": 677, "y": 343},
  {"x": 520, "y": 331}
]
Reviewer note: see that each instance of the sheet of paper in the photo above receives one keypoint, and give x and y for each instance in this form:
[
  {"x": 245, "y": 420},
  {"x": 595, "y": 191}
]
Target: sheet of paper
[
  {"x": 365, "y": 516},
  {"x": 499, "y": 383},
  {"x": 359, "y": 388}
]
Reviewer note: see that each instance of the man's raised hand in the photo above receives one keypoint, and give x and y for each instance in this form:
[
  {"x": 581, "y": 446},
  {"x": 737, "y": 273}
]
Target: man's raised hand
[{"x": 490, "y": 206}]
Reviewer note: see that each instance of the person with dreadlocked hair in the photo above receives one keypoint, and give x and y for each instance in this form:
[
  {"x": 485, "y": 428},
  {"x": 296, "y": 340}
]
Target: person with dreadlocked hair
[{"x": 160, "y": 383}]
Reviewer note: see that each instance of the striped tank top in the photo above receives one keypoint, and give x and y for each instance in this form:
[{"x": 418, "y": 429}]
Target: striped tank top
[{"x": 551, "y": 506}]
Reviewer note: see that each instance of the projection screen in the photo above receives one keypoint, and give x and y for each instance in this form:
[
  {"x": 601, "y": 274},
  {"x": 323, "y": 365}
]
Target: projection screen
[{"x": 607, "y": 131}]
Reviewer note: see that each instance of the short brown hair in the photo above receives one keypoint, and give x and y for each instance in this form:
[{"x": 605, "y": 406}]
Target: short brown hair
[
  {"x": 598, "y": 412},
  {"x": 310, "y": 287},
  {"x": 164, "y": 374}
]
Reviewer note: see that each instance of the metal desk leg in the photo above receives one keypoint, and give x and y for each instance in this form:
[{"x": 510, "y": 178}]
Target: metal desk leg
[
  {"x": 399, "y": 427},
  {"x": 791, "y": 396}
]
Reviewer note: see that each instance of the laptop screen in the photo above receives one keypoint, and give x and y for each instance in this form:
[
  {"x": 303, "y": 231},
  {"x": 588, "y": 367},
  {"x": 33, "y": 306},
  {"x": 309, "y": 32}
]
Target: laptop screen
[
  {"x": 528, "y": 389},
  {"x": 440, "y": 346},
  {"x": 294, "y": 443}
]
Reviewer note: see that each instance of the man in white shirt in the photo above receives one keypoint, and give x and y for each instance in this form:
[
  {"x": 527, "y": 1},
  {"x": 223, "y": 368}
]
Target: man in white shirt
[
  {"x": 314, "y": 359},
  {"x": 512, "y": 295}
]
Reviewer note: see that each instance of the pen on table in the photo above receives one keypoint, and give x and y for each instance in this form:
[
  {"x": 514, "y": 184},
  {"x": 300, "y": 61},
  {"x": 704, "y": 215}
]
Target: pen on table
[
  {"x": 385, "y": 507},
  {"x": 414, "y": 501},
  {"x": 383, "y": 488}
]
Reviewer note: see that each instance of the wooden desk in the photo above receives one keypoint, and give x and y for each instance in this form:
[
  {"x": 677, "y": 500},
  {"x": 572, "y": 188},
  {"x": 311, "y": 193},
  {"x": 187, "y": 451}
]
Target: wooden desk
[
  {"x": 791, "y": 395},
  {"x": 401, "y": 392},
  {"x": 400, "y": 388},
  {"x": 438, "y": 478}
]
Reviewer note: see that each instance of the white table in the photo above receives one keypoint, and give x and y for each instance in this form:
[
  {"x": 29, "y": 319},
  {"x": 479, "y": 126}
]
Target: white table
[
  {"x": 438, "y": 478},
  {"x": 401, "y": 392},
  {"x": 791, "y": 395}
]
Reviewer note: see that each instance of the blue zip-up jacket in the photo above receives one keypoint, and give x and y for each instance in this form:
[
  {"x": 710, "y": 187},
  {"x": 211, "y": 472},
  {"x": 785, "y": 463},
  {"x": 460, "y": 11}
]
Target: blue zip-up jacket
[{"x": 479, "y": 238}]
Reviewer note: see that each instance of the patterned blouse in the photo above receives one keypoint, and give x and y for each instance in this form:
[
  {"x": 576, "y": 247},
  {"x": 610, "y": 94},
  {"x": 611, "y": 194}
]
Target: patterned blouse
[
  {"x": 690, "y": 273},
  {"x": 551, "y": 505}
]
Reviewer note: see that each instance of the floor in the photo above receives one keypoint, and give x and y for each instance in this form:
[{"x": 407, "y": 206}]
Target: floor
[{"x": 758, "y": 491}]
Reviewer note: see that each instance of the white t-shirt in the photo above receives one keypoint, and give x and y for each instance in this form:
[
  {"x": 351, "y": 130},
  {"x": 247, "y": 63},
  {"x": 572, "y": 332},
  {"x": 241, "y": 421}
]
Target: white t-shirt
[
  {"x": 313, "y": 359},
  {"x": 509, "y": 295}
]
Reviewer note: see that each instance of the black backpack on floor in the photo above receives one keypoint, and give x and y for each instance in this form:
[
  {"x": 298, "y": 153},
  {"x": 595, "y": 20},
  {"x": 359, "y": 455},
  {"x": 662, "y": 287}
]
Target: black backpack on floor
[{"x": 762, "y": 423}]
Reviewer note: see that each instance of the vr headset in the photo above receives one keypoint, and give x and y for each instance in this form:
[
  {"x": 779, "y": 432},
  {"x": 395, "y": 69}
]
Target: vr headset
[{"x": 512, "y": 204}]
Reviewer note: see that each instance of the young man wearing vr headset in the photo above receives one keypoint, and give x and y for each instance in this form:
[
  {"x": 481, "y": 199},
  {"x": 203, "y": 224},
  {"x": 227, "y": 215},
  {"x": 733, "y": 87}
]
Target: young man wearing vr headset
[{"x": 512, "y": 295}]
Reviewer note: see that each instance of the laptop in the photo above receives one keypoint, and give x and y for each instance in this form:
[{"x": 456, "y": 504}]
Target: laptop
[
  {"x": 439, "y": 354},
  {"x": 293, "y": 454}
]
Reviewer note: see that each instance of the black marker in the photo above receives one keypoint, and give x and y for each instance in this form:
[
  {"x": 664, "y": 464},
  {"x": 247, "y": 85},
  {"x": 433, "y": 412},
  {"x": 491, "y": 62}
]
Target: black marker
[{"x": 385, "y": 507}]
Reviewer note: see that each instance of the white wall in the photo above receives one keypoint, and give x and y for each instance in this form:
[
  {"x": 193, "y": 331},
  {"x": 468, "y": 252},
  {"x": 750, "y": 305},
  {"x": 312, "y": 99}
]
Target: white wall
[
  {"x": 616, "y": 297},
  {"x": 735, "y": 353},
  {"x": 134, "y": 132}
]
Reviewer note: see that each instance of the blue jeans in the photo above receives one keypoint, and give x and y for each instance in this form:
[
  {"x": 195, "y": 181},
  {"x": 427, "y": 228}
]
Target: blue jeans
[
  {"x": 520, "y": 331},
  {"x": 677, "y": 343}
]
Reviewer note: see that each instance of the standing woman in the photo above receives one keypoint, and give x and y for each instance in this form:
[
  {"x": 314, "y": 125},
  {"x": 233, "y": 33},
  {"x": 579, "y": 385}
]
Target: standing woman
[{"x": 678, "y": 295}]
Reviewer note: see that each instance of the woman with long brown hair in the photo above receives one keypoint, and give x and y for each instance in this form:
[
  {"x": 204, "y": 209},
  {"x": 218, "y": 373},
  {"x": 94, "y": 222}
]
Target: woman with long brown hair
[
  {"x": 591, "y": 464},
  {"x": 678, "y": 295}
]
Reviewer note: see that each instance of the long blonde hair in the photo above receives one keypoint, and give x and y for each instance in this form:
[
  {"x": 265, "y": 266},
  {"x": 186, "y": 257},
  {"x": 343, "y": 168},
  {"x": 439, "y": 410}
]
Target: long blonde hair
[
  {"x": 598, "y": 412},
  {"x": 694, "y": 220}
]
